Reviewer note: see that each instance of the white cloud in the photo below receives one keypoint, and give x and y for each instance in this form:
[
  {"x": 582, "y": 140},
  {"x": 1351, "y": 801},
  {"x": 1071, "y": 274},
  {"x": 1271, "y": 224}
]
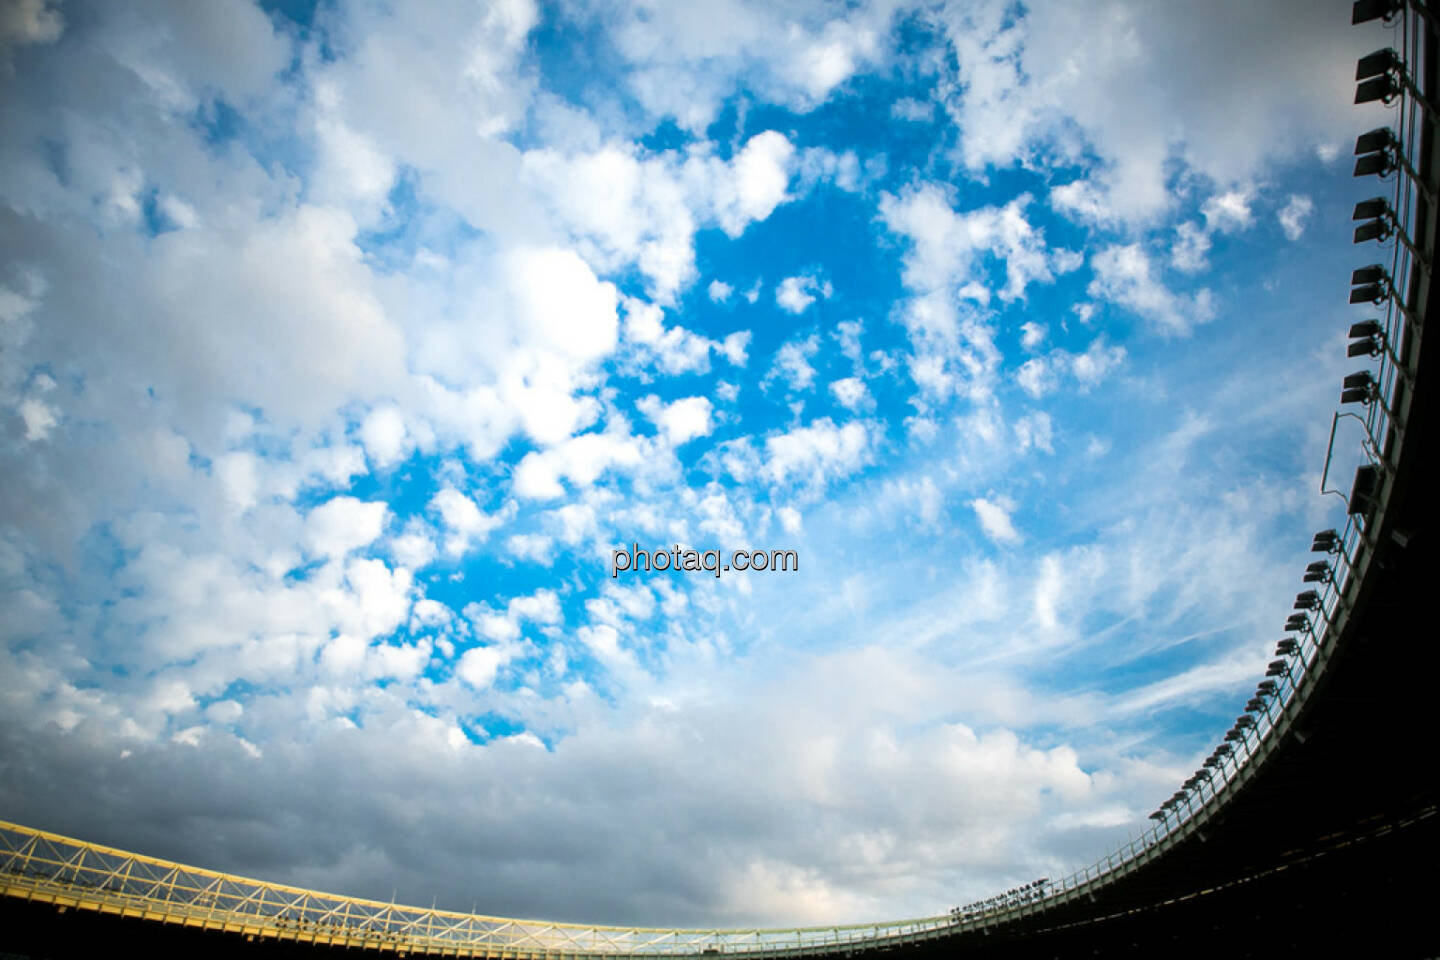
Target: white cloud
[
  {"x": 1035, "y": 430},
  {"x": 719, "y": 291},
  {"x": 817, "y": 453},
  {"x": 916, "y": 111},
  {"x": 790, "y": 520},
  {"x": 1229, "y": 212},
  {"x": 465, "y": 524},
  {"x": 414, "y": 548},
  {"x": 383, "y": 433},
  {"x": 1192, "y": 243},
  {"x": 851, "y": 393},
  {"x": 39, "y": 418},
  {"x": 1293, "y": 215},
  {"x": 947, "y": 247},
  {"x": 581, "y": 460},
  {"x": 1123, "y": 275},
  {"x": 994, "y": 517},
  {"x": 29, "y": 21},
  {"x": 792, "y": 363},
  {"x": 734, "y": 346},
  {"x": 1018, "y": 93},
  {"x": 755, "y": 182},
  {"x": 796, "y": 294},
  {"x": 341, "y": 525},
  {"x": 681, "y": 420}
]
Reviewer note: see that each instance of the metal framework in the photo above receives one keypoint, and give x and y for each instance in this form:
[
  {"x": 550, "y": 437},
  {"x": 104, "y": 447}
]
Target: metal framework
[{"x": 73, "y": 874}]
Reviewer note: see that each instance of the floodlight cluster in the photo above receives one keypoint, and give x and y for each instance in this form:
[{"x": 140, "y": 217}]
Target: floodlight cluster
[
  {"x": 1387, "y": 76},
  {"x": 1014, "y": 897}
]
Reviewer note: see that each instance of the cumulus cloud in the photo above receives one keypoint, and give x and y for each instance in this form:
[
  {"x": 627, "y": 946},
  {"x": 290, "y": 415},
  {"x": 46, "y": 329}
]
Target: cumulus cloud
[
  {"x": 994, "y": 517},
  {"x": 796, "y": 294},
  {"x": 1125, "y": 275},
  {"x": 1293, "y": 215},
  {"x": 792, "y": 363},
  {"x": 949, "y": 247},
  {"x": 681, "y": 420},
  {"x": 464, "y": 523},
  {"x": 343, "y": 524},
  {"x": 817, "y": 453}
]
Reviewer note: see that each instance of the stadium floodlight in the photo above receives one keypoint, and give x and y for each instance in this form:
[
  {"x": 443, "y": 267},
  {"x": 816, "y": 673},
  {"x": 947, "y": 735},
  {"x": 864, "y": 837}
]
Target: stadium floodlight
[
  {"x": 1254, "y": 705},
  {"x": 1378, "y": 220},
  {"x": 1326, "y": 541},
  {"x": 1376, "y": 141},
  {"x": 1372, "y": 209},
  {"x": 1223, "y": 749},
  {"x": 1374, "y": 273},
  {"x": 1285, "y": 648},
  {"x": 1307, "y": 600},
  {"x": 1377, "y": 64},
  {"x": 1369, "y": 284},
  {"x": 1276, "y": 671},
  {"x": 1212, "y": 761},
  {"x": 1367, "y": 339},
  {"x": 1359, "y": 387},
  {"x": 1369, "y": 347},
  {"x": 1355, "y": 396},
  {"x": 1366, "y": 328},
  {"x": 1366, "y": 10},
  {"x": 1317, "y": 572},
  {"x": 1297, "y": 621},
  {"x": 1383, "y": 88},
  {"x": 1244, "y": 720},
  {"x": 1375, "y": 153},
  {"x": 1378, "y": 76}
]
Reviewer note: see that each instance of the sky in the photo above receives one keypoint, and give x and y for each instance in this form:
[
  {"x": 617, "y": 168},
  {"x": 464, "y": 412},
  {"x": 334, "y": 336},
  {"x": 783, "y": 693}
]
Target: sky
[{"x": 343, "y": 344}]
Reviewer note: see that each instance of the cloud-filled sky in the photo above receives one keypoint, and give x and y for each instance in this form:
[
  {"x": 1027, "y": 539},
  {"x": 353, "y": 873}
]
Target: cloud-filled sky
[{"x": 342, "y": 344}]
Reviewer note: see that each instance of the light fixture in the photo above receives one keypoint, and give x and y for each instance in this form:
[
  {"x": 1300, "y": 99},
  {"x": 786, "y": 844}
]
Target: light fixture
[
  {"x": 1285, "y": 648},
  {"x": 1297, "y": 621},
  {"x": 1369, "y": 284},
  {"x": 1366, "y": 10},
  {"x": 1325, "y": 542},
  {"x": 1307, "y": 600},
  {"x": 1378, "y": 217},
  {"x": 1376, "y": 153},
  {"x": 1379, "y": 76},
  {"x": 1367, "y": 338},
  {"x": 1359, "y": 387},
  {"x": 1277, "y": 668},
  {"x": 1244, "y": 720},
  {"x": 1317, "y": 572}
]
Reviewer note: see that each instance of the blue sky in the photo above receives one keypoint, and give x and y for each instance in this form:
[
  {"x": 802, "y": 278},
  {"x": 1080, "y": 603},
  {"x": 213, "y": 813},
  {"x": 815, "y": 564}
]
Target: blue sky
[{"x": 343, "y": 344}]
